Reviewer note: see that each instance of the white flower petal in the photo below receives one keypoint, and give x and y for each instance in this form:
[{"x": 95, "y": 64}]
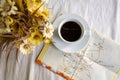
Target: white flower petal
[
  {"x": 48, "y": 31},
  {"x": 27, "y": 50}
]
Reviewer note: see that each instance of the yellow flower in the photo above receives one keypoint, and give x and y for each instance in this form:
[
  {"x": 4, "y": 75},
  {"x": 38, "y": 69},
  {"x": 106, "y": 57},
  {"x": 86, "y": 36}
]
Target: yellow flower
[
  {"x": 35, "y": 38},
  {"x": 48, "y": 31},
  {"x": 32, "y": 5},
  {"x": 39, "y": 9},
  {"x": 28, "y": 21},
  {"x": 8, "y": 21},
  {"x": 26, "y": 47},
  {"x": 43, "y": 13}
]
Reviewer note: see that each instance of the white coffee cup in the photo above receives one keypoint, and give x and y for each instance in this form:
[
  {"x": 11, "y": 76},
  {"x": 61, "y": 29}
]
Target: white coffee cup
[
  {"x": 75, "y": 21},
  {"x": 71, "y": 46}
]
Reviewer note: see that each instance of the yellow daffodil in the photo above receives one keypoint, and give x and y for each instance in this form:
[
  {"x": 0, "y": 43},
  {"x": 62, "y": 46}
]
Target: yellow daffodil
[
  {"x": 35, "y": 38},
  {"x": 26, "y": 47},
  {"x": 48, "y": 31}
]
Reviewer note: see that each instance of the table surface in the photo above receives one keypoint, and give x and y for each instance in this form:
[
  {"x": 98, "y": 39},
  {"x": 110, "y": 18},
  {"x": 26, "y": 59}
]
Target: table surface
[{"x": 103, "y": 15}]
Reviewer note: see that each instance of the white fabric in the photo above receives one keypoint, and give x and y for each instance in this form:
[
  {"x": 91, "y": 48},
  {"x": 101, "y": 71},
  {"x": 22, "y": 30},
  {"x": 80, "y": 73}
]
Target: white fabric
[{"x": 103, "y": 15}]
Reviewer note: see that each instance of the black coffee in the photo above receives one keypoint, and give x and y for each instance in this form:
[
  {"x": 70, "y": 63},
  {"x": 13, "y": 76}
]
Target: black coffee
[{"x": 71, "y": 31}]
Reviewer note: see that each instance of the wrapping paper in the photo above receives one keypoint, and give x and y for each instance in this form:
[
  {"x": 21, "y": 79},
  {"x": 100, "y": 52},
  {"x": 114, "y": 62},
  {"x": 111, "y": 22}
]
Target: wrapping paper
[{"x": 98, "y": 60}]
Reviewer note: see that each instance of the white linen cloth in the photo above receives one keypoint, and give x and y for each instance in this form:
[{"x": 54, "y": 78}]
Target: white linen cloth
[{"x": 103, "y": 15}]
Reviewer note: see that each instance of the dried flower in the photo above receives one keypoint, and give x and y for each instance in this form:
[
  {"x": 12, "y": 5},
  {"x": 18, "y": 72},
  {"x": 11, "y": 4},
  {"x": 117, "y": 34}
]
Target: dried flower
[
  {"x": 8, "y": 8},
  {"x": 48, "y": 31},
  {"x": 35, "y": 38},
  {"x": 26, "y": 47},
  {"x": 25, "y": 24}
]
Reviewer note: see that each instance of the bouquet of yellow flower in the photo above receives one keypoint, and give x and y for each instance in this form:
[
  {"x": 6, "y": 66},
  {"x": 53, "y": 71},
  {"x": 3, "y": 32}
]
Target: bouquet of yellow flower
[{"x": 24, "y": 24}]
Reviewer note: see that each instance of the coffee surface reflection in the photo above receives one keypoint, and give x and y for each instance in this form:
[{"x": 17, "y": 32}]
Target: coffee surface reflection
[{"x": 71, "y": 31}]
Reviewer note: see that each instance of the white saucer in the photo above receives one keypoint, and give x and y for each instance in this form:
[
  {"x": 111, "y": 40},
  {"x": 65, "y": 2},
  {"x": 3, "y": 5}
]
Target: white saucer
[{"x": 72, "y": 47}]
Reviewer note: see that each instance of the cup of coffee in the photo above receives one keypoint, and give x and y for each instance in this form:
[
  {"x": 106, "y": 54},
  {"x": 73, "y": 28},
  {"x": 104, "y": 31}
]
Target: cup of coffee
[
  {"x": 70, "y": 30},
  {"x": 71, "y": 33}
]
